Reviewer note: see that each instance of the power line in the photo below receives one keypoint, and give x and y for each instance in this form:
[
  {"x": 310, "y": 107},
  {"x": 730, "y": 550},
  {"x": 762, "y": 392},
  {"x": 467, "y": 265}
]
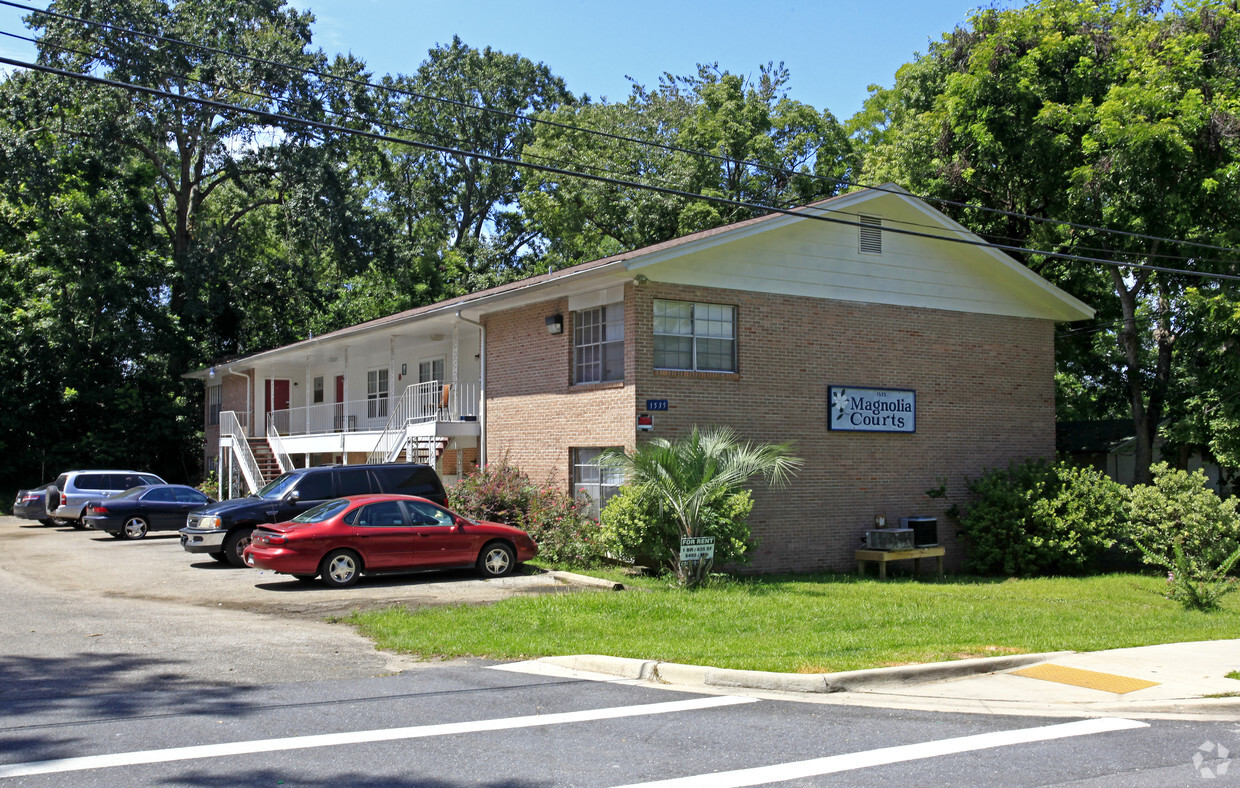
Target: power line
[
  {"x": 276, "y": 118},
  {"x": 648, "y": 143}
]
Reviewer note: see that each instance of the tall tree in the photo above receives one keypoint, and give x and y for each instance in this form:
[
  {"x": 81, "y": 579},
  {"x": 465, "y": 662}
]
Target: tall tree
[
  {"x": 457, "y": 215},
  {"x": 760, "y": 147},
  {"x": 1111, "y": 114},
  {"x": 196, "y": 151}
]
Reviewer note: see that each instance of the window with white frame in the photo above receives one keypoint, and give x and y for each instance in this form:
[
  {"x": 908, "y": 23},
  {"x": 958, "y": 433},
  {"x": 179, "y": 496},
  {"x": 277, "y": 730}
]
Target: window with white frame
[
  {"x": 430, "y": 369},
  {"x": 596, "y": 481},
  {"x": 318, "y": 390},
  {"x": 694, "y": 336},
  {"x": 377, "y": 393},
  {"x": 213, "y": 404},
  {"x": 598, "y": 344}
]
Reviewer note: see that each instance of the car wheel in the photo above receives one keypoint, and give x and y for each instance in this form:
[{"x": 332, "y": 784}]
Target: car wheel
[
  {"x": 46, "y": 521},
  {"x": 60, "y": 522},
  {"x": 135, "y": 528},
  {"x": 221, "y": 556},
  {"x": 235, "y": 544},
  {"x": 496, "y": 560},
  {"x": 340, "y": 568},
  {"x": 78, "y": 525},
  {"x": 52, "y": 501}
]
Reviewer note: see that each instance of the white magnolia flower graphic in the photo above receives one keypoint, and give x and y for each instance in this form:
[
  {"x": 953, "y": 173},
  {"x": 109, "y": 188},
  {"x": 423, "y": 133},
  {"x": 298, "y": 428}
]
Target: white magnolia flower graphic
[{"x": 840, "y": 402}]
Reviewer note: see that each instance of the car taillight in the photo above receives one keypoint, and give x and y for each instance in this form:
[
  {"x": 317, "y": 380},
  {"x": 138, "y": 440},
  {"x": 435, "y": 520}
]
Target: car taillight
[
  {"x": 270, "y": 539},
  {"x": 97, "y": 509}
]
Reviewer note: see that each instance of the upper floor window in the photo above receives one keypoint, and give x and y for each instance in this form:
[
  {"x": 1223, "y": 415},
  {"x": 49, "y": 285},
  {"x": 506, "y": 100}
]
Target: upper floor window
[
  {"x": 377, "y": 394},
  {"x": 430, "y": 369},
  {"x": 318, "y": 390},
  {"x": 693, "y": 336},
  {"x": 213, "y": 404},
  {"x": 598, "y": 344}
]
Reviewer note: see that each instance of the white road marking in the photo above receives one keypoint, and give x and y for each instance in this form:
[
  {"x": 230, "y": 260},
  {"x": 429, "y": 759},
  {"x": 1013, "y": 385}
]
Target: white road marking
[
  {"x": 908, "y": 752},
  {"x": 229, "y": 749}
]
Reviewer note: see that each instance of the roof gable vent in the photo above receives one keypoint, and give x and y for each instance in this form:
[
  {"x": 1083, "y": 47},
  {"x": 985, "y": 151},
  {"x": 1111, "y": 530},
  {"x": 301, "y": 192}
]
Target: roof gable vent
[{"x": 870, "y": 235}]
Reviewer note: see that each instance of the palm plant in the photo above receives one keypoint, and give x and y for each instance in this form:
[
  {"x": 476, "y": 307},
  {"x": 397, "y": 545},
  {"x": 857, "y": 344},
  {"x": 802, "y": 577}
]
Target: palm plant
[{"x": 682, "y": 479}]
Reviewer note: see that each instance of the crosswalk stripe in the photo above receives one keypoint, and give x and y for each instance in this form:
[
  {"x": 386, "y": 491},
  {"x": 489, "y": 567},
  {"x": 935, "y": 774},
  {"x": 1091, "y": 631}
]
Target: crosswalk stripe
[
  {"x": 908, "y": 752},
  {"x": 229, "y": 749}
]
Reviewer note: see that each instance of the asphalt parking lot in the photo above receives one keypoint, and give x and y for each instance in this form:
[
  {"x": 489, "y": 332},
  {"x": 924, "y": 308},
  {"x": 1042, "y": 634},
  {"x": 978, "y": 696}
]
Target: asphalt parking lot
[{"x": 157, "y": 569}]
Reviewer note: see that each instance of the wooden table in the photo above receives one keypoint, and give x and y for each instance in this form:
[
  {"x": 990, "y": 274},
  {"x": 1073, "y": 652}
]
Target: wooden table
[{"x": 881, "y": 557}]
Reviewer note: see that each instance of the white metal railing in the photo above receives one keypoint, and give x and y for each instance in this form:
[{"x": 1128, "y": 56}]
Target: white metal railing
[
  {"x": 277, "y": 446},
  {"x": 425, "y": 403},
  {"x": 231, "y": 426},
  {"x": 422, "y": 402},
  {"x": 327, "y": 417}
]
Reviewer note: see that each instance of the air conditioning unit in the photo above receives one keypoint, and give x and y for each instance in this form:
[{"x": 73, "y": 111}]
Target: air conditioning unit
[
  {"x": 889, "y": 539},
  {"x": 925, "y": 530}
]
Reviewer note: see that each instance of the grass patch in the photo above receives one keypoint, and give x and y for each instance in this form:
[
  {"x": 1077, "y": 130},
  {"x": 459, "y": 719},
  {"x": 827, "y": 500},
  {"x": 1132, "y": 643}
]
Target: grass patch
[
  {"x": 810, "y": 623},
  {"x": 1235, "y": 674}
]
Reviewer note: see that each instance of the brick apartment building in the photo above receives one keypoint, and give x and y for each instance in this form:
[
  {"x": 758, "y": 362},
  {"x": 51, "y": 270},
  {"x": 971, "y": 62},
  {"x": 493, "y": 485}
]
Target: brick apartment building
[{"x": 893, "y": 361}]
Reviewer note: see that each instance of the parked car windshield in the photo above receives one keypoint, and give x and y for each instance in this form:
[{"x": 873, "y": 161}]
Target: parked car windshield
[
  {"x": 277, "y": 487},
  {"x": 324, "y": 511}
]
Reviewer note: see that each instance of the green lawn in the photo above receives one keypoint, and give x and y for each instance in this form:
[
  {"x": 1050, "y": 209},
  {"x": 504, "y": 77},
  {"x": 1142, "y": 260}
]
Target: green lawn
[{"x": 811, "y": 623}]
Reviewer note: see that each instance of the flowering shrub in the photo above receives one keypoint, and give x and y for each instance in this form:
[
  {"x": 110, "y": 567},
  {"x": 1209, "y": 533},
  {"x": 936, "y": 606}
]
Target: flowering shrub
[
  {"x": 562, "y": 527},
  {"x": 1181, "y": 525},
  {"x": 1034, "y": 518}
]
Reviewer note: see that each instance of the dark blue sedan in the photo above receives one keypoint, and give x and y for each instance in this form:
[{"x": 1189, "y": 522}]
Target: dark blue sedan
[{"x": 134, "y": 513}]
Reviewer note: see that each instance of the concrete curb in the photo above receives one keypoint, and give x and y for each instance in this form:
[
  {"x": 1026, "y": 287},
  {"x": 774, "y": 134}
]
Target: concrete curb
[
  {"x": 848, "y": 681},
  {"x": 572, "y": 578}
]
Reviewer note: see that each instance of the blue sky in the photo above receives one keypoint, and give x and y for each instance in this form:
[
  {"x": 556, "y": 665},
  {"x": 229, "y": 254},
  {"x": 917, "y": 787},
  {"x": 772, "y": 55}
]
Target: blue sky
[{"x": 834, "y": 50}]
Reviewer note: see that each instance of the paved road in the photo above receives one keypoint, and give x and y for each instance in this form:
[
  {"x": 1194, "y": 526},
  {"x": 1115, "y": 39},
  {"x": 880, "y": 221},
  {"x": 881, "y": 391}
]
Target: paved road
[
  {"x": 120, "y": 667},
  {"x": 457, "y": 725},
  {"x": 86, "y": 611}
]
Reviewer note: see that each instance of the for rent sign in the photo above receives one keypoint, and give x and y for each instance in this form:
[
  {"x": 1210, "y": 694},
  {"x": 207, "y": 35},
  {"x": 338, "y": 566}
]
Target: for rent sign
[{"x": 871, "y": 410}]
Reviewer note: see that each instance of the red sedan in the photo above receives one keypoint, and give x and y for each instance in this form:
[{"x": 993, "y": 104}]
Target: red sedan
[{"x": 342, "y": 539}]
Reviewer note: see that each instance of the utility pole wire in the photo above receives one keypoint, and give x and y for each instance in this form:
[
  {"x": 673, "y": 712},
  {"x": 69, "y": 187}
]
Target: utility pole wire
[
  {"x": 276, "y": 118},
  {"x": 618, "y": 137}
]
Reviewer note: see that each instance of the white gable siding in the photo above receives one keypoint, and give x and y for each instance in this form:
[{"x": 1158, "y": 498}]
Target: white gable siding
[{"x": 821, "y": 259}]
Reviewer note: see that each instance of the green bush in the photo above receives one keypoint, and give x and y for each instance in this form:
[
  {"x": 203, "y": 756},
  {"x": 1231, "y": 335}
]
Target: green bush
[
  {"x": 1179, "y": 524},
  {"x": 633, "y": 529},
  {"x": 1037, "y": 518},
  {"x": 562, "y": 527}
]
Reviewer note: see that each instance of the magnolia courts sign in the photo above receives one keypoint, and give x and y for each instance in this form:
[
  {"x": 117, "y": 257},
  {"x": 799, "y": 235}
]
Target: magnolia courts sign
[{"x": 871, "y": 410}]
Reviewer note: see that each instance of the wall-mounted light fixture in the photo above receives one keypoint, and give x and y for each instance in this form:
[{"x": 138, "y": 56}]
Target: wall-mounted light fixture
[
  {"x": 640, "y": 279},
  {"x": 555, "y": 324},
  {"x": 211, "y": 372}
]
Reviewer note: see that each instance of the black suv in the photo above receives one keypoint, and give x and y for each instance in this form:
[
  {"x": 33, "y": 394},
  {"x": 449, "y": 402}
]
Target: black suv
[{"x": 223, "y": 530}]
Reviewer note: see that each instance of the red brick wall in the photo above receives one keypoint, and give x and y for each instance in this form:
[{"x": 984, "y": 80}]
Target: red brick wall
[
  {"x": 984, "y": 387},
  {"x": 232, "y": 397},
  {"x": 534, "y": 413},
  {"x": 985, "y": 395}
]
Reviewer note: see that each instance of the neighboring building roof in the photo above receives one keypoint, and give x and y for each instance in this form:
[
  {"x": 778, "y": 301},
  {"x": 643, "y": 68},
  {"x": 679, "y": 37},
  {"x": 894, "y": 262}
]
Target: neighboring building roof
[{"x": 1002, "y": 272}]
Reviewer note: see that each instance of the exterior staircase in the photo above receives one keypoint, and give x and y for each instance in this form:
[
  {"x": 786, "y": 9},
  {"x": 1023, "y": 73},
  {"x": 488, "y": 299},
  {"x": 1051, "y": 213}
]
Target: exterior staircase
[
  {"x": 427, "y": 450},
  {"x": 265, "y": 458}
]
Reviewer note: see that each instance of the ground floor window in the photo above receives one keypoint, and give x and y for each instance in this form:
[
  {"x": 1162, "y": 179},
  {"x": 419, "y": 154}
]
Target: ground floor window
[{"x": 589, "y": 477}]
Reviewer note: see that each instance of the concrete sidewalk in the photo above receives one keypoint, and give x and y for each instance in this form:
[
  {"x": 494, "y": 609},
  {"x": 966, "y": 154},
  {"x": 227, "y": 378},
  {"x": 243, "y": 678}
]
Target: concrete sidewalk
[{"x": 1174, "y": 680}]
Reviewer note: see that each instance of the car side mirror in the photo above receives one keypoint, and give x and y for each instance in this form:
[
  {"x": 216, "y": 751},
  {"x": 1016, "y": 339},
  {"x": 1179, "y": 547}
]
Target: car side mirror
[{"x": 294, "y": 497}]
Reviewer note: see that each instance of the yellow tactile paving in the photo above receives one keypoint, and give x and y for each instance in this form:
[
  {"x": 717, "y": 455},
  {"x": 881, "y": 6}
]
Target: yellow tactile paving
[{"x": 1090, "y": 679}]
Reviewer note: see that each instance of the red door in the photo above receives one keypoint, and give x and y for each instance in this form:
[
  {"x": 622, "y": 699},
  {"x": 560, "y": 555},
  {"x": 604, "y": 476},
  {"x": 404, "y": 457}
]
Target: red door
[
  {"x": 338, "y": 421},
  {"x": 277, "y": 398}
]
